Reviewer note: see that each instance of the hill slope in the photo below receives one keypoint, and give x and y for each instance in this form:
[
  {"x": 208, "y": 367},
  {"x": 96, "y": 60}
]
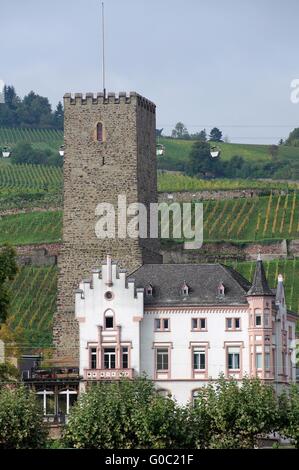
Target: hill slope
[{"x": 177, "y": 151}]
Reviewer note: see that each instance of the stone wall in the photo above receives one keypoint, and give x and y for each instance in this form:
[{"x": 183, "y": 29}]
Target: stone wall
[
  {"x": 187, "y": 196},
  {"x": 211, "y": 252},
  {"x": 45, "y": 254},
  {"x": 123, "y": 164}
]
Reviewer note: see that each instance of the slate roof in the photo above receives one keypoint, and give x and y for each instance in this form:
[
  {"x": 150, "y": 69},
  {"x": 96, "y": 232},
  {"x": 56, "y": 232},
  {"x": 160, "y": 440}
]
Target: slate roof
[
  {"x": 260, "y": 284},
  {"x": 203, "y": 281}
]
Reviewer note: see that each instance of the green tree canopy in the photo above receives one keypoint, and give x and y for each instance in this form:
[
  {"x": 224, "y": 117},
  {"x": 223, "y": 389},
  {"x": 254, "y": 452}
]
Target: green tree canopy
[
  {"x": 215, "y": 135},
  {"x": 126, "y": 415},
  {"x": 8, "y": 270},
  {"x": 180, "y": 131},
  {"x": 21, "y": 419}
]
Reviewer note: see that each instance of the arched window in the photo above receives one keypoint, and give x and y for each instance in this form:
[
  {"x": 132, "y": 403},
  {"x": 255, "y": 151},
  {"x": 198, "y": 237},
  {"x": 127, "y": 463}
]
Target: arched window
[
  {"x": 109, "y": 320},
  {"x": 100, "y": 132}
]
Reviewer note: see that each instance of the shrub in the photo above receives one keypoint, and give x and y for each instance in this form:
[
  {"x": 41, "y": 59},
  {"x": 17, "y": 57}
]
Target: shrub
[{"x": 21, "y": 419}]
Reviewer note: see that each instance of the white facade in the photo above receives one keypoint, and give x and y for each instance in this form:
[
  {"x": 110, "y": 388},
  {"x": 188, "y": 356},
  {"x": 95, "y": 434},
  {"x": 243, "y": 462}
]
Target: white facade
[{"x": 180, "y": 347}]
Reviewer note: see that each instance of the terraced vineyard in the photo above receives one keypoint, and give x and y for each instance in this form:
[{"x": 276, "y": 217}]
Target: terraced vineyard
[
  {"x": 29, "y": 186},
  {"x": 288, "y": 268},
  {"x": 33, "y": 293},
  {"x": 11, "y": 136},
  {"x": 27, "y": 177},
  {"x": 259, "y": 218},
  {"x": 242, "y": 220},
  {"x": 33, "y": 227}
]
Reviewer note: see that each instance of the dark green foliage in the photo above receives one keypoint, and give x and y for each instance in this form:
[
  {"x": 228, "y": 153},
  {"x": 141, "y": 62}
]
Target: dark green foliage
[
  {"x": 21, "y": 419},
  {"x": 293, "y": 138},
  {"x": 215, "y": 135},
  {"x": 8, "y": 270},
  {"x": 32, "y": 111},
  {"x": 24, "y": 153},
  {"x": 231, "y": 416},
  {"x": 200, "y": 161},
  {"x": 126, "y": 415},
  {"x": 289, "y": 414},
  {"x": 8, "y": 372}
]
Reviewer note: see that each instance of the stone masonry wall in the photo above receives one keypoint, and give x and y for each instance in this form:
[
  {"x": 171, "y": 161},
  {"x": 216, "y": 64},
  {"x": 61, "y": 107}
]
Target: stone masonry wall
[{"x": 97, "y": 172}]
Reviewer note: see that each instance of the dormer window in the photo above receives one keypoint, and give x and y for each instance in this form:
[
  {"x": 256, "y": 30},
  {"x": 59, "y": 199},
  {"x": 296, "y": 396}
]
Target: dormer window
[
  {"x": 185, "y": 289},
  {"x": 149, "y": 290},
  {"x": 221, "y": 289}
]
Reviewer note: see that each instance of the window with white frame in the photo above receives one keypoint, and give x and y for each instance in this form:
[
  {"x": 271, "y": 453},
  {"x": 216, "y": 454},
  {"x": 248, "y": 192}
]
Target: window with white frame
[
  {"x": 233, "y": 357},
  {"x": 124, "y": 357},
  {"x": 233, "y": 323},
  {"x": 258, "y": 357},
  {"x": 162, "y": 324},
  {"x": 162, "y": 359},
  {"x": 267, "y": 361},
  {"x": 199, "y": 358},
  {"x": 47, "y": 401},
  {"x": 109, "y": 358},
  {"x": 198, "y": 324},
  {"x": 93, "y": 358},
  {"x": 66, "y": 399}
]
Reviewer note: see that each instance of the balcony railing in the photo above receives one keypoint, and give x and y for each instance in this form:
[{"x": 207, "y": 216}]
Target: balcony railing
[{"x": 108, "y": 374}]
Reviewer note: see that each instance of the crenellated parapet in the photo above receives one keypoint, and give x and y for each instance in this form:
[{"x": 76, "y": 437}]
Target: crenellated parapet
[{"x": 111, "y": 98}]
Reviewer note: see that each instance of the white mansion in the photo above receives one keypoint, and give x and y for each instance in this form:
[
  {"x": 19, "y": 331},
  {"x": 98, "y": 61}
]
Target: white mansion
[{"x": 183, "y": 325}]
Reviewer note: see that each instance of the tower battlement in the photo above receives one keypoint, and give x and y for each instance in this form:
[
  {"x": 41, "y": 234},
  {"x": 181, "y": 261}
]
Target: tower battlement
[{"x": 111, "y": 98}]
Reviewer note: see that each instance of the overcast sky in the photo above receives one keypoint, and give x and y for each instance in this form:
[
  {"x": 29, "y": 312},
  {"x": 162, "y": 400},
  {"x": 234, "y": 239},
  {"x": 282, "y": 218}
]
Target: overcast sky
[{"x": 225, "y": 63}]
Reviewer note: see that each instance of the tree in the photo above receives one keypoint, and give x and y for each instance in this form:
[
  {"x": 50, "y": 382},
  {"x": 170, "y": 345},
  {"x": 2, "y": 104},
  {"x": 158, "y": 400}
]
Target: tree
[
  {"x": 180, "y": 131},
  {"x": 8, "y": 270},
  {"x": 273, "y": 151},
  {"x": 8, "y": 372},
  {"x": 215, "y": 135},
  {"x": 293, "y": 138},
  {"x": 126, "y": 415},
  {"x": 35, "y": 111},
  {"x": 233, "y": 416},
  {"x": 59, "y": 117},
  {"x": 23, "y": 152},
  {"x": 200, "y": 161},
  {"x": 21, "y": 419},
  {"x": 289, "y": 412},
  {"x": 202, "y": 136}
]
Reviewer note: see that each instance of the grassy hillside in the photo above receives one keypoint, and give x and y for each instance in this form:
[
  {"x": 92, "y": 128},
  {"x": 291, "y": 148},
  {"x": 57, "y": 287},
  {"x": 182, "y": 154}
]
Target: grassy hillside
[
  {"x": 34, "y": 296},
  {"x": 178, "y": 151}
]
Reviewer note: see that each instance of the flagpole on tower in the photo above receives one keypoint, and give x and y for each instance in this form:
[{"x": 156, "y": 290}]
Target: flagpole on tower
[{"x": 103, "y": 50}]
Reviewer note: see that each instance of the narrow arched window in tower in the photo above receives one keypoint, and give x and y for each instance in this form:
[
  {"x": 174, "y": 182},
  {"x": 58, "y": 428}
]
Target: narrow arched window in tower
[{"x": 100, "y": 133}]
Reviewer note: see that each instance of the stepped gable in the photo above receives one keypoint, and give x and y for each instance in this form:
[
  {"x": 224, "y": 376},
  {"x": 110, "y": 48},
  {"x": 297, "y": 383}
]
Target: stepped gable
[{"x": 203, "y": 281}]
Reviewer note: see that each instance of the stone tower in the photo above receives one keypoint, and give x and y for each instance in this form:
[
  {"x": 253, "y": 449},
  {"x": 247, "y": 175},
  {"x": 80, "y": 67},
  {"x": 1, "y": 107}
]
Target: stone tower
[{"x": 110, "y": 150}]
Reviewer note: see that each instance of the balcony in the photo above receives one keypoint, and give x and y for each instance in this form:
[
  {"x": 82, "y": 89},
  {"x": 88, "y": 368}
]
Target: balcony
[{"x": 108, "y": 374}]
